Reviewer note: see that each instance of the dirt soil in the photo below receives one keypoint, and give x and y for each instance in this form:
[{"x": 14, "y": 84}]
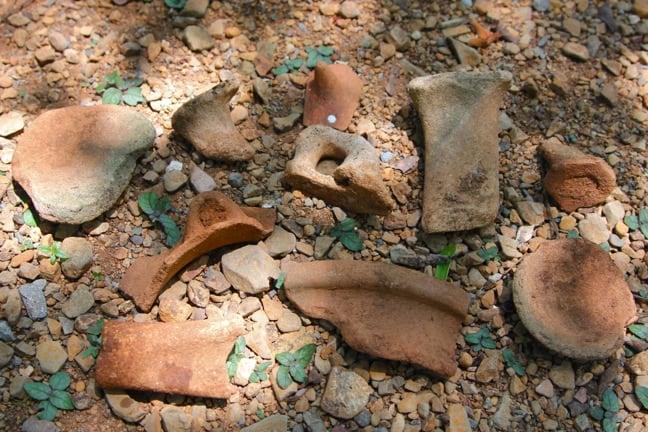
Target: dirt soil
[{"x": 599, "y": 105}]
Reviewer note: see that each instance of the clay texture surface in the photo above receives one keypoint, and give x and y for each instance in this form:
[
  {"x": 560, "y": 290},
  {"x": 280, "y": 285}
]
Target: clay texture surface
[
  {"x": 213, "y": 221},
  {"x": 383, "y": 309},
  {"x": 573, "y": 299}
]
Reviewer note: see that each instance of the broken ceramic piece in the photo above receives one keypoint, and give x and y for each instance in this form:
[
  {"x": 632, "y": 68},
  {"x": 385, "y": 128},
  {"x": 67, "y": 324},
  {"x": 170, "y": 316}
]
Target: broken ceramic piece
[
  {"x": 75, "y": 162},
  {"x": 332, "y": 95},
  {"x": 383, "y": 309},
  {"x": 575, "y": 179},
  {"x": 572, "y": 298},
  {"x": 459, "y": 113},
  {"x": 340, "y": 168},
  {"x": 213, "y": 221},
  {"x": 185, "y": 358},
  {"x": 205, "y": 122}
]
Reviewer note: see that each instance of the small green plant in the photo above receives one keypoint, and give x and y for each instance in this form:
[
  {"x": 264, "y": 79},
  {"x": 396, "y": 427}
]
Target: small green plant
[
  {"x": 175, "y": 4},
  {"x": 512, "y": 361},
  {"x": 54, "y": 251},
  {"x": 492, "y": 253},
  {"x": 480, "y": 339},
  {"x": 606, "y": 412},
  {"x": 27, "y": 244},
  {"x": 94, "y": 337},
  {"x": 441, "y": 271},
  {"x": 321, "y": 53},
  {"x": 113, "y": 87},
  {"x": 260, "y": 413},
  {"x": 345, "y": 232},
  {"x": 29, "y": 219},
  {"x": 97, "y": 276},
  {"x": 235, "y": 356},
  {"x": 156, "y": 209},
  {"x": 289, "y": 65},
  {"x": 52, "y": 396},
  {"x": 259, "y": 373},
  {"x": 642, "y": 394},
  {"x": 573, "y": 234},
  {"x": 639, "y": 330},
  {"x": 638, "y": 222},
  {"x": 292, "y": 367},
  {"x": 280, "y": 280}
]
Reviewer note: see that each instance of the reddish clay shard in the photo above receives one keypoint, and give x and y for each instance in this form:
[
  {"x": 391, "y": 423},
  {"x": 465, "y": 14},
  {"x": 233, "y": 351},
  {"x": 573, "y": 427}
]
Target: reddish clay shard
[
  {"x": 383, "y": 309},
  {"x": 185, "y": 358},
  {"x": 213, "y": 221},
  {"x": 332, "y": 95},
  {"x": 575, "y": 179},
  {"x": 571, "y": 296}
]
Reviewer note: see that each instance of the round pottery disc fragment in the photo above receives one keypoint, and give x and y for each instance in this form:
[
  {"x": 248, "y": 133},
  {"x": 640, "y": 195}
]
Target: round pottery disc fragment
[{"x": 572, "y": 298}]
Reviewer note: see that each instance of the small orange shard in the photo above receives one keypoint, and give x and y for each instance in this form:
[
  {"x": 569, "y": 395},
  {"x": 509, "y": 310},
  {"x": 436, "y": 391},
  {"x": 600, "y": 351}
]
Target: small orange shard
[{"x": 484, "y": 37}]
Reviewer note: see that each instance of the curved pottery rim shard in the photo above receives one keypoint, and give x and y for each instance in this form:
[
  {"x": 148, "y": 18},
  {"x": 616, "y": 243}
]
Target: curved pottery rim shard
[
  {"x": 179, "y": 358},
  {"x": 353, "y": 181},
  {"x": 125, "y": 136},
  {"x": 383, "y": 309},
  {"x": 572, "y": 298},
  {"x": 332, "y": 95},
  {"x": 459, "y": 114},
  {"x": 575, "y": 179},
  {"x": 213, "y": 221},
  {"x": 205, "y": 121}
]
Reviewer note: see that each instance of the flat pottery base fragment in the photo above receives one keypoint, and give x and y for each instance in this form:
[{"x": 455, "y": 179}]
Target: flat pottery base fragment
[
  {"x": 459, "y": 113},
  {"x": 185, "y": 358},
  {"x": 572, "y": 298},
  {"x": 340, "y": 168},
  {"x": 213, "y": 221},
  {"x": 575, "y": 179},
  {"x": 383, "y": 309}
]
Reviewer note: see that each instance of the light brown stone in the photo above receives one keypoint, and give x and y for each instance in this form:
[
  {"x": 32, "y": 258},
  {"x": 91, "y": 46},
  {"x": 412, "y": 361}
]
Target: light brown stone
[
  {"x": 90, "y": 151},
  {"x": 332, "y": 95},
  {"x": 180, "y": 358},
  {"x": 340, "y": 168},
  {"x": 383, "y": 309},
  {"x": 206, "y": 123},
  {"x": 459, "y": 113},
  {"x": 213, "y": 221},
  {"x": 572, "y": 298},
  {"x": 575, "y": 179}
]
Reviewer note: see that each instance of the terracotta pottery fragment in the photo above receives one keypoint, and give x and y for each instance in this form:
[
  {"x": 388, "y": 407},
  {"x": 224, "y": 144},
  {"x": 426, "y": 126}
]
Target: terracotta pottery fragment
[
  {"x": 205, "y": 122},
  {"x": 213, "y": 221},
  {"x": 332, "y": 95},
  {"x": 185, "y": 358},
  {"x": 459, "y": 113},
  {"x": 575, "y": 179},
  {"x": 383, "y": 309},
  {"x": 572, "y": 298},
  {"x": 340, "y": 168}
]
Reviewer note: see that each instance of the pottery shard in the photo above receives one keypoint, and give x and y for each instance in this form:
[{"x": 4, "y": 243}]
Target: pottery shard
[
  {"x": 213, "y": 221},
  {"x": 575, "y": 179},
  {"x": 340, "y": 168},
  {"x": 572, "y": 298},
  {"x": 74, "y": 162},
  {"x": 185, "y": 358},
  {"x": 459, "y": 113},
  {"x": 206, "y": 123},
  {"x": 383, "y": 309},
  {"x": 332, "y": 95}
]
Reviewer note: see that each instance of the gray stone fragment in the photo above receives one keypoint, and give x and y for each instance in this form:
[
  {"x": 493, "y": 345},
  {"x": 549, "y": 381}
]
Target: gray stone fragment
[
  {"x": 6, "y": 335},
  {"x": 249, "y": 269},
  {"x": 79, "y": 251},
  {"x": 197, "y": 38},
  {"x": 6, "y": 353},
  {"x": 174, "y": 419},
  {"x": 33, "y": 299},
  {"x": 79, "y": 303},
  {"x": 51, "y": 356},
  {"x": 200, "y": 180},
  {"x": 346, "y": 393},
  {"x": 123, "y": 406},
  {"x": 33, "y": 424},
  {"x": 273, "y": 423},
  {"x": 280, "y": 242}
]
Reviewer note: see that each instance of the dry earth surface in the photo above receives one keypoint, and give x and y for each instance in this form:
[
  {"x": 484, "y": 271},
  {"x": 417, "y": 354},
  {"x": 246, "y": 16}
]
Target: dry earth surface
[{"x": 598, "y": 104}]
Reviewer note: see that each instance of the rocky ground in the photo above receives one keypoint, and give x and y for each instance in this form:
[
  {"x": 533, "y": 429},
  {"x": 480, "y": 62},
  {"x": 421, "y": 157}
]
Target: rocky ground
[{"x": 579, "y": 73}]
